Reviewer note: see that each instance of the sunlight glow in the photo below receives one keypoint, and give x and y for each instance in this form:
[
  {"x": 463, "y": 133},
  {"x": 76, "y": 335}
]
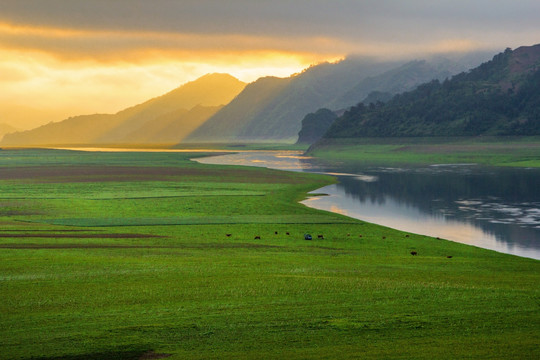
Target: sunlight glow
[
  {"x": 51, "y": 72},
  {"x": 42, "y": 68}
]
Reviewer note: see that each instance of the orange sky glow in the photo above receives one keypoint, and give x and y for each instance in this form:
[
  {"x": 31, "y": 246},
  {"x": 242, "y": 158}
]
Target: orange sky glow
[
  {"x": 62, "y": 58},
  {"x": 47, "y": 74}
]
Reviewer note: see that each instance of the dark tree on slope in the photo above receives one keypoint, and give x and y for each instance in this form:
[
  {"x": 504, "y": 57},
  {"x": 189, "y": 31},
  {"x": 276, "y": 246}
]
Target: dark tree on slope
[
  {"x": 377, "y": 96},
  {"x": 314, "y": 125}
]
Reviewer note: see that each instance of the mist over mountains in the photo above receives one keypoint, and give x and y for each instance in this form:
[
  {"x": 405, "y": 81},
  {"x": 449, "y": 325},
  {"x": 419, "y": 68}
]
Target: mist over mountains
[
  {"x": 272, "y": 109},
  {"x": 500, "y": 97},
  {"x": 6, "y": 129},
  {"x": 220, "y": 108}
]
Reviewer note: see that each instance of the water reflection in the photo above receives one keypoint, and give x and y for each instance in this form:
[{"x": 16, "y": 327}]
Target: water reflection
[
  {"x": 282, "y": 160},
  {"x": 494, "y": 208}
]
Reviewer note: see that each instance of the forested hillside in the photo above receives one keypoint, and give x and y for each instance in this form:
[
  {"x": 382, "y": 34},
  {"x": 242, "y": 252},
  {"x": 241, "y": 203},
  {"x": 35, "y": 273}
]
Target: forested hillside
[
  {"x": 500, "y": 97},
  {"x": 314, "y": 125},
  {"x": 273, "y": 108}
]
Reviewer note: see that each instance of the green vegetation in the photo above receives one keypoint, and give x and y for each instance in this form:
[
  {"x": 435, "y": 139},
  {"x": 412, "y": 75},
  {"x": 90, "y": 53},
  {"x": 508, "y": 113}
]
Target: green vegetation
[
  {"x": 91, "y": 269},
  {"x": 400, "y": 79},
  {"x": 494, "y": 151},
  {"x": 500, "y": 97},
  {"x": 314, "y": 125}
]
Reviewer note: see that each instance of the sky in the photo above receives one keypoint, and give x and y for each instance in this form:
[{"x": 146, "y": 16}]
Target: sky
[{"x": 60, "y": 58}]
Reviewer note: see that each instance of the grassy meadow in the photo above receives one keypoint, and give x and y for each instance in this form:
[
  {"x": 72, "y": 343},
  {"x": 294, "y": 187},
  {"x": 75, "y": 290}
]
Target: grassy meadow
[
  {"x": 492, "y": 151},
  {"x": 150, "y": 256}
]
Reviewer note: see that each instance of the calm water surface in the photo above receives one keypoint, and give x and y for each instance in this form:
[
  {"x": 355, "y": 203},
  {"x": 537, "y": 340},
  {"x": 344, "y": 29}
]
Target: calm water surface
[{"x": 493, "y": 208}]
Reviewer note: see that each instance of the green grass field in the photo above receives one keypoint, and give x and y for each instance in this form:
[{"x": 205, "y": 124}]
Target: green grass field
[
  {"x": 494, "y": 151},
  {"x": 149, "y": 256}
]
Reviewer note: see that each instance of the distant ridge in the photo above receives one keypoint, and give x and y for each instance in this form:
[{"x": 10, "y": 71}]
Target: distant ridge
[
  {"x": 238, "y": 114},
  {"x": 6, "y": 129},
  {"x": 172, "y": 127},
  {"x": 180, "y": 110},
  {"x": 272, "y": 109},
  {"x": 499, "y": 97}
]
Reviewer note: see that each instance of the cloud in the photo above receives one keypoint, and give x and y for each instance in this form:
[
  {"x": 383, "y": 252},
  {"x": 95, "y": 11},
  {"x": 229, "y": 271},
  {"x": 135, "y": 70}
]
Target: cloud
[
  {"x": 13, "y": 72},
  {"x": 102, "y": 55},
  {"x": 196, "y": 30},
  {"x": 55, "y": 88},
  {"x": 377, "y": 19},
  {"x": 140, "y": 46}
]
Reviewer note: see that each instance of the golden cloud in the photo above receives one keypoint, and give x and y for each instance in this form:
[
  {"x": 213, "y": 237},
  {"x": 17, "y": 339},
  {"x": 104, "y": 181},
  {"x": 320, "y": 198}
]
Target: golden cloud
[
  {"x": 149, "y": 46},
  {"x": 141, "y": 46}
]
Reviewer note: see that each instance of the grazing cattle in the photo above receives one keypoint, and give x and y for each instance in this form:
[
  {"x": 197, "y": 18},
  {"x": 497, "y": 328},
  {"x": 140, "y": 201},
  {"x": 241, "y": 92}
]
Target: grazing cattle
[
  {"x": 359, "y": 235},
  {"x": 320, "y": 237},
  {"x": 307, "y": 237},
  {"x": 384, "y": 237},
  {"x": 257, "y": 237},
  {"x": 413, "y": 253},
  {"x": 287, "y": 233},
  {"x": 438, "y": 238},
  {"x": 228, "y": 235},
  {"x": 407, "y": 235},
  {"x": 449, "y": 256},
  {"x": 348, "y": 234},
  {"x": 275, "y": 232}
]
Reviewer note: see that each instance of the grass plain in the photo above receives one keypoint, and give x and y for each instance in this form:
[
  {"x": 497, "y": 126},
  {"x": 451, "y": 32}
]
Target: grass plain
[
  {"x": 150, "y": 255},
  {"x": 492, "y": 151}
]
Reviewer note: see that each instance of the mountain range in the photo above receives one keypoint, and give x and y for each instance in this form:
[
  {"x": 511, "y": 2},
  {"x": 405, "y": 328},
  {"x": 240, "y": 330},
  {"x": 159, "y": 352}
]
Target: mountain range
[
  {"x": 6, "y": 129},
  {"x": 499, "y": 97},
  {"x": 272, "y": 109},
  {"x": 164, "y": 119},
  {"x": 220, "y": 108}
]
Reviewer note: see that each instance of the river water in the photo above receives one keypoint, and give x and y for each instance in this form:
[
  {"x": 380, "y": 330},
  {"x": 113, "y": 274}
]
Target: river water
[{"x": 490, "y": 207}]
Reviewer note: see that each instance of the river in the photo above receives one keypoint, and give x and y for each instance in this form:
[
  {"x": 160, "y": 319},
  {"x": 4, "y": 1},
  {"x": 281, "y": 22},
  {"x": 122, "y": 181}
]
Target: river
[{"x": 490, "y": 207}]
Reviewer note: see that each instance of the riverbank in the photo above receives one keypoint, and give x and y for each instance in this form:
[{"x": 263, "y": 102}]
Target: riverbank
[
  {"x": 125, "y": 255},
  {"x": 493, "y": 151}
]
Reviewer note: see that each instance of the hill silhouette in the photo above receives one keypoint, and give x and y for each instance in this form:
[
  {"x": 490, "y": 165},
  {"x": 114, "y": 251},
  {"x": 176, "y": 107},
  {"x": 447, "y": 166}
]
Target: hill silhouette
[
  {"x": 237, "y": 115},
  {"x": 172, "y": 127},
  {"x": 180, "y": 110},
  {"x": 6, "y": 129}
]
